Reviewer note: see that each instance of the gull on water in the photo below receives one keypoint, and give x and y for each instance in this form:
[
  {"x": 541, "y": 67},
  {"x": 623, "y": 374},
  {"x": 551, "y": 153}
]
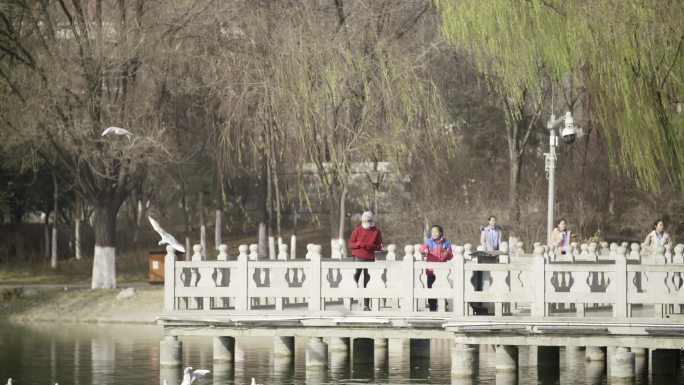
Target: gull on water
[
  {"x": 189, "y": 376},
  {"x": 117, "y": 131},
  {"x": 166, "y": 237},
  {"x": 9, "y": 381},
  {"x": 254, "y": 382}
]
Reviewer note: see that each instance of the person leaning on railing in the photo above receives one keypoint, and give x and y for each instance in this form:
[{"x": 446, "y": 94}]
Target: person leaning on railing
[
  {"x": 658, "y": 236},
  {"x": 364, "y": 241},
  {"x": 561, "y": 237},
  {"x": 437, "y": 249}
]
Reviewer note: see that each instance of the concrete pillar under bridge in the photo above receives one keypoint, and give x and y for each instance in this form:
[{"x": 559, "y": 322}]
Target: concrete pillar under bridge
[
  {"x": 622, "y": 369},
  {"x": 170, "y": 352},
  {"x": 464, "y": 361},
  {"x": 224, "y": 349},
  {"x": 316, "y": 353},
  {"x": 506, "y": 358}
]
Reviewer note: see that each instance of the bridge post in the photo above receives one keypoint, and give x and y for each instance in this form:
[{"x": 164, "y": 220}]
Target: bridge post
[
  {"x": 316, "y": 353},
  {"x": 458, "y": 274},
  {"x": 594, "y": 372},
  {"x": 284, "y": 346},
  {"x": 595, "y": 353},
  {"x": 539, "y": 308},
  {"x": 506, "y": 358},
  {"x": 224, "y": 349},
  {"x": 380, "y": 352},
  {"x": 409, "y": 304},
  {"x": 464, "y": 361},
  {"x": 242, "y": 280},
  {"x": 621, "y": 307},
  {"x": 170, "y": 279},
  {"x": 170, "y": 349},
  {"x": 339, "y": 352},
  {"x": 640, "y": 362},
  {"x": 622, "y": 364},
  {"x": 315, "y": 277}
]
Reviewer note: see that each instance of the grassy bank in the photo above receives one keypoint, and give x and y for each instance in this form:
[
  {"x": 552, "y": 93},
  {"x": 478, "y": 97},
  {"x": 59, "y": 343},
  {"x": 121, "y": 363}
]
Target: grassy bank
[{"x": 81, "y": 305}]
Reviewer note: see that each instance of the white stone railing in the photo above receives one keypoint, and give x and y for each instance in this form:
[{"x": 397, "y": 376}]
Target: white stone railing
[{"x": 625, "y": 280}]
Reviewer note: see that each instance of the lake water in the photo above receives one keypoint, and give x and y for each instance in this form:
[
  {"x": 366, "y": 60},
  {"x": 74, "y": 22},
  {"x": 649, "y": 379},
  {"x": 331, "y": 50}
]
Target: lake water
[{"x": 83, "y": 354}]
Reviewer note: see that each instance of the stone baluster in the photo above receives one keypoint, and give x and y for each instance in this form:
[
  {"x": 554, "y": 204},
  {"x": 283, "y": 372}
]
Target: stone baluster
[
  {"x": 621, "y": 308},
  {"x": 539, "y": 286},
  {"x": 519, "y": 249},
  {"x": 170, "y": 279},
  {"x": 467, "y": 250},
  {"x": 222, "y": 275},
  {"x": 678, "y": 278},
  {"x": 256, "y": 277},
  {"x": 393, "y": 279},
  {"x": 243, "y": 280},
  {"x": 408, "y": 304},
  {"x": 635, "y": 252},
  {"x": 593, "y": 254},
  {"x": 195, "y": 302},
  {"x": 668, "y": 253},
  {"x": 460, "y": 280},
  {"x": 280, "y": 275},
  {"x": 604, "y": 248},
  {"x": 416, "y": 252},
  {"x": 584, "y": 252},
  {"x": 315, "y": 276},
  {"x": 678, "y": 254}
]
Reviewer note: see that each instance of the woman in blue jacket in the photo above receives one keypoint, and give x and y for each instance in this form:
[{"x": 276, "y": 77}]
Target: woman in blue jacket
[{"x": 438, "y": 249}]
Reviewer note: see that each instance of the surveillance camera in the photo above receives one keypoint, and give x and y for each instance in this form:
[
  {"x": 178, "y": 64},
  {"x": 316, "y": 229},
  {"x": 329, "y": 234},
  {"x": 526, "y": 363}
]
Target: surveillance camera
[{"x": 569, "y": 133}]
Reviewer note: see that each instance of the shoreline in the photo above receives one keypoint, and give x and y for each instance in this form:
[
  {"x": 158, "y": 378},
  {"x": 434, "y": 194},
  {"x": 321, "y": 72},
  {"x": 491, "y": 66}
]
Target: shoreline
[{"x": 132, "y": 304}]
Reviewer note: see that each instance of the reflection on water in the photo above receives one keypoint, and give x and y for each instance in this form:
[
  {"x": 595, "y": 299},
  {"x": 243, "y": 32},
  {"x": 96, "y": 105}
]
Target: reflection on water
[{"x": 128, "y": 354}]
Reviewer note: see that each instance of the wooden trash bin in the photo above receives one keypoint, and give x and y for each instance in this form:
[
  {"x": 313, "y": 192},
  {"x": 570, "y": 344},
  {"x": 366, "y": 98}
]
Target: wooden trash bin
[{"x": 156, "y": 274}]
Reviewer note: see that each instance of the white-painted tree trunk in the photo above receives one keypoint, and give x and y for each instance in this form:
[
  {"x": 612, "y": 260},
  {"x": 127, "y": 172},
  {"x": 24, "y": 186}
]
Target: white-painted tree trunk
[
  {"x": 271, "y": 247},
  {"x": 53, "y": 259},
  {"x": 203, "y": 240},
  {"x": 263, "y": 240},
  {"x": 217, "y": 230},
  {"x": 188, "y": 249},
  {"x": 77, "y": 238},
  {"x": 293, "y": 246},
  {"x": 104, "y": 268}
]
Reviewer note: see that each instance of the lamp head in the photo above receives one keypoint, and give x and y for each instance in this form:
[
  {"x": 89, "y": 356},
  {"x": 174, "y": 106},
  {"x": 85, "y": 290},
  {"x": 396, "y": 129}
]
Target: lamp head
[{"x": 569, "y": 134}]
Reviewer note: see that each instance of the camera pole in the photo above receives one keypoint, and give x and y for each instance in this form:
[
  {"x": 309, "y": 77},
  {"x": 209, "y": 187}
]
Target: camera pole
[{"x": 551, "y": 174}]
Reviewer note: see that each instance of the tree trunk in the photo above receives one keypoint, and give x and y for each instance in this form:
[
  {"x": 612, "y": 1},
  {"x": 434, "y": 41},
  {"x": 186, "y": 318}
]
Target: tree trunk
[
  {"x": 53, "y": 260},
  {"x": 203, "y": 226},
  {"x": 104, "y": 261},
  {"x": 77, "y": 230},
  {"x": 218, "y": 218},
  {"x": 513, "y": 184}
]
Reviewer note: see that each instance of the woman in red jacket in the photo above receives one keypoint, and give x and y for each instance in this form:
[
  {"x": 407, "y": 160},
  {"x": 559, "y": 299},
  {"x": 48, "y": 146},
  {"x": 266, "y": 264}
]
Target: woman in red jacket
[{"x": 364, "y": 241}]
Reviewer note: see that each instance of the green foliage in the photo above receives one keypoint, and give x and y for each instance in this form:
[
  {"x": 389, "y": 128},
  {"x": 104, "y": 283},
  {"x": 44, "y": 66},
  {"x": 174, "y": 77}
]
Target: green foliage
[{"x": 624, "y": 57}]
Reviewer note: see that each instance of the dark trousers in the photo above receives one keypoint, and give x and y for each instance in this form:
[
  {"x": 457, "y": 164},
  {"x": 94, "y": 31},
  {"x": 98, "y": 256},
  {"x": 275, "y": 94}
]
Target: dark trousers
[
  {"x": 366, "y": 276},
  {"x": 432, "y": 302}
]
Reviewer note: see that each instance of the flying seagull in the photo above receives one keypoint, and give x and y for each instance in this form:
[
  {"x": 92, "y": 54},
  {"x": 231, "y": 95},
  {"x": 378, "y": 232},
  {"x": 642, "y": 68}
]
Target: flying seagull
[
  {"x": 117, "y": 131},
  {"x": 189, "y": 376},
  {"x": 166, "y": 237}
]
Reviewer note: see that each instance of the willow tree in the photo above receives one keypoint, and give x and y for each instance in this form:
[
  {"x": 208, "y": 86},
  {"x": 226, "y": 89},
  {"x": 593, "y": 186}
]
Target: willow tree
[
  {"x": 68, "y": 70},
  {"x": 348, "y": 85},
  {"x": 329, "y": 83},
  {"x": 626, "y": 56}
]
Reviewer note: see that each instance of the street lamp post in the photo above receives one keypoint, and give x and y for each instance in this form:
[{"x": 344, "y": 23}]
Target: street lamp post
[
  {"x": 375, "y": 177},
  {"x": 568, "y": 135}
]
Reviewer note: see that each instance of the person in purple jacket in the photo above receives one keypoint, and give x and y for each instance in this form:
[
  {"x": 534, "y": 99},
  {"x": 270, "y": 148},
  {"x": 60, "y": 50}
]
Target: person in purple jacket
[{"x": 437, "y": 249}]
